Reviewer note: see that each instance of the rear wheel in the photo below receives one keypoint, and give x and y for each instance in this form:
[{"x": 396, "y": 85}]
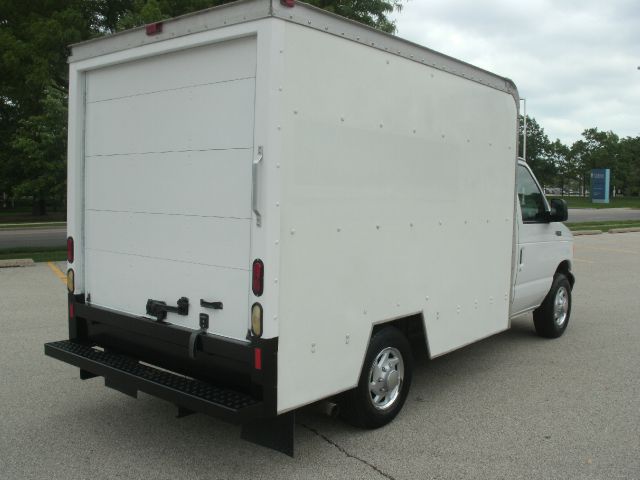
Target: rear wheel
[
  {"x": 552, "y": 317},
  {"x": 384, "y": 381}
]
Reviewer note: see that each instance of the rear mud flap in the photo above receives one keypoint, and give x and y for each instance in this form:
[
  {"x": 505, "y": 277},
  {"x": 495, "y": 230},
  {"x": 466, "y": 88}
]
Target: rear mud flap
[{"x": 277, "y": 433}]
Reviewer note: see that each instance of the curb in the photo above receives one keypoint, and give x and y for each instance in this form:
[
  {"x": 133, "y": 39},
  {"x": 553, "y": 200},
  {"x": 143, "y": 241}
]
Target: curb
[
  {"x": 20, "y": 226},
  {"x": 624, "y": 230},
  {"x": 586, "y": 232},
  {"x": 18, "y": 262}
]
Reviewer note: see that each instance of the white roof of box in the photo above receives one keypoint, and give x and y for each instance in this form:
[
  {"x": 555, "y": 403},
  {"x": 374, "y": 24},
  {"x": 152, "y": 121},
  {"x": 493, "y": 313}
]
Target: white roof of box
[{"x": 302, "y": 14}]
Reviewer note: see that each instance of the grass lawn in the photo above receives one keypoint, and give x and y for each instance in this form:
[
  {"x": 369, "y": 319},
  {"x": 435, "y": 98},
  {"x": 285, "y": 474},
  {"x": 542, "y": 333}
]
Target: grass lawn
[
  {"x": 23, "y": 215},
  {"x": 585, "y": 202},
  {"x": 17, "y": 217},
  {"x": 605, "y": 226},
  {"x": 39, "y": 254}
]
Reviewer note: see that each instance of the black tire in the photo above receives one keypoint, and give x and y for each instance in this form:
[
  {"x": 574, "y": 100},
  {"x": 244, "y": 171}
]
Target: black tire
[
  {"x": 546, "y": 319},
  {"x": 358, "y": 406}
]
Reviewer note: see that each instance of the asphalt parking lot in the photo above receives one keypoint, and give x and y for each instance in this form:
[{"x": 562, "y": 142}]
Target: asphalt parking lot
[{"x": 514, "y": 406}]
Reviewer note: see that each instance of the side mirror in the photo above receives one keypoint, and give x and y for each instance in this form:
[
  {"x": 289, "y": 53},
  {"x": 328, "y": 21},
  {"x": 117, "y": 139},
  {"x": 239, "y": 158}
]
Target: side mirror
[{"x": 559, "y": 210}]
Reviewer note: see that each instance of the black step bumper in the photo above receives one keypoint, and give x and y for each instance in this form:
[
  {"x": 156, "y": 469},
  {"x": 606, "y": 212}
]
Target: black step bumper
[
  {"x": 229, "y": 379},
  {"x": 130, "y": 376}
]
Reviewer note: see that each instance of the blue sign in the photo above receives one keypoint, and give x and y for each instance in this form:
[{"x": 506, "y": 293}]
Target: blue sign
[{"x": 600, "y": 185}]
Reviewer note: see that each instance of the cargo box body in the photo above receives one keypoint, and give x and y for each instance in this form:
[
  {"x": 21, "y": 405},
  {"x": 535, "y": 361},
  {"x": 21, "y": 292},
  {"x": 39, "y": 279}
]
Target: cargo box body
[
  {"x": 384, "y": 207},
  {"x": 373, "y": 178}
]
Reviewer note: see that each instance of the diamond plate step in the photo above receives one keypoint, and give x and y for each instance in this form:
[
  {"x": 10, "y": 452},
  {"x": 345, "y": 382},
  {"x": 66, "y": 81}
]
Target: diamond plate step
[{"x": 132, "y": 376}]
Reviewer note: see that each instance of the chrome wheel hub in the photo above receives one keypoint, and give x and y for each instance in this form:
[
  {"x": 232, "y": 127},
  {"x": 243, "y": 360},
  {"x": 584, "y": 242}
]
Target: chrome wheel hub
[
  {"x": 385, "y": 378},
  {"x": 561, "y": 306}
]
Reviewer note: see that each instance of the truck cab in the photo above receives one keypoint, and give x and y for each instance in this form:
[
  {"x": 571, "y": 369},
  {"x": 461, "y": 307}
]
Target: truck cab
[{"x": 544, "y": 255}]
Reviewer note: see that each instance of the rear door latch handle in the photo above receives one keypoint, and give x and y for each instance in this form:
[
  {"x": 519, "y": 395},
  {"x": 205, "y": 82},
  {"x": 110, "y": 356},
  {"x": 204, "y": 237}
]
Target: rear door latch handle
[
  {"x": 255, "y": 191},
  {"x": 213, "y": 305},
  {"x": 159, "y": 309}
]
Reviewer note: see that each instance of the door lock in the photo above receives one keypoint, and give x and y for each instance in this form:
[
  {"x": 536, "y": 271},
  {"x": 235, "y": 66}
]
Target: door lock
[{"x": 193, "y": 338}]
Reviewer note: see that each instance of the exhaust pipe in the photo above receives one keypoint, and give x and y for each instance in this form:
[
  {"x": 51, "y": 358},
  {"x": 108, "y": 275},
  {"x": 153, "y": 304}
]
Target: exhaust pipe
[{"x": 330, "y": 409}]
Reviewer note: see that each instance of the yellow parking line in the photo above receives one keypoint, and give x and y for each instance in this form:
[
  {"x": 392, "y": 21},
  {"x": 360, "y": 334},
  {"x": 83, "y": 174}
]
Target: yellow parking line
[{"x": 58, "y": 273}]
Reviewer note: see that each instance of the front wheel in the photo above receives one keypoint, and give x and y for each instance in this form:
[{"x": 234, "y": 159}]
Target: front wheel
[
  {"x": 384, "y": 381},
  {"x": 552, "y": 317}
]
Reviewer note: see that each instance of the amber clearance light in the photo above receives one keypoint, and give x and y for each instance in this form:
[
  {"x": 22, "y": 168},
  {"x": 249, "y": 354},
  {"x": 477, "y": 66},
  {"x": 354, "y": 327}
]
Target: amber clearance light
[
  {"x": 256, "y": 319},
  {"x": 71, "y": 283}
]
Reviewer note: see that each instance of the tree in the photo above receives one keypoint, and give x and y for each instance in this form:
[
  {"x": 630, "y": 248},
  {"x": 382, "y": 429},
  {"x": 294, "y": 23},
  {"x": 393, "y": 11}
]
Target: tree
[
  {"x": 34, "y": 39},
  {"x": 597, "y": 150},
  {"x": 560, "y": 156},
  {"x": 538, "y": 146},
  {"x": 629, "y": 166},
  {"x": 40, "y": 141},
  {"x": 370, "y": 12},
  {"x": 569, "y": 168}
]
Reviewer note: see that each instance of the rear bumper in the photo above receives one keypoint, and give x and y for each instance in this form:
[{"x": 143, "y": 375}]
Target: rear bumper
[
  {"x": 129, "y": 376},
  {"x": 220, "y": 380}
]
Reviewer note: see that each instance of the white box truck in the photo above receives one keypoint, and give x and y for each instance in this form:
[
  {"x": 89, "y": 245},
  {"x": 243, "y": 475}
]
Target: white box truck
[{"x": 267, "y": 203}]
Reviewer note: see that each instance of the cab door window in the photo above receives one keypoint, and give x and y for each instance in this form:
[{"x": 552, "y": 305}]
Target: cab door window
[{"x": 532, "y": 204}]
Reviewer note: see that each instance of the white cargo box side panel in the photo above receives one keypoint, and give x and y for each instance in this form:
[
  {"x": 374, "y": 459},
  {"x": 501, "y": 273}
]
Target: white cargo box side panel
[
  {"x": 397, "y": 199},
  {"x": 167, "y": 209}
]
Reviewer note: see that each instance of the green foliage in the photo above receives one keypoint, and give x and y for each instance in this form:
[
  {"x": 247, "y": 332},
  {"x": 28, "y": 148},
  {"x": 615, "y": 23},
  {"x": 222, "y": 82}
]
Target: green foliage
[
  {"x": 569, "y": 167},
  {"x": 142, "y": 12},
  {"x": 34, "y": 36},
  {"x": 370, "y": 12},
  {"x": 34, "y": 39},
  {"x": 628, "y": 166},
  {"x": 558, "y": 154},
  {"x": 538, "y": 150},
  {"x": 603, "y": 226},
  {"x": 38, "y": 254},
  {"x": 40, "y": 143},
  {"x": 585, "y": 202}
]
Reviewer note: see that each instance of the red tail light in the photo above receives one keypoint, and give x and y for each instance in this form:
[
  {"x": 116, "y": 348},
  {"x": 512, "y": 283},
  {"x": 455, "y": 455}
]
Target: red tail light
[
  {"x": 257, "y": 285},
  {"x": 70, "y": 249},
  {"x": 153, "y": 28},
  {"x": 257, "y": 358},
  {"x": 72, "y": 310}
]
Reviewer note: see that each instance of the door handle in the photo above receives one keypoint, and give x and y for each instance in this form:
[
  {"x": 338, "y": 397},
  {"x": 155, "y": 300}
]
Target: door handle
[
  {"x": 520, "y": 261},
  {"x": 254, "y": 190},
  {"x": 213, "y": 305}
]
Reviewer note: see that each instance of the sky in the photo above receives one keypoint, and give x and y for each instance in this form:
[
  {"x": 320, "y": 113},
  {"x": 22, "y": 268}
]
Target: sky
[{"x": 575, "y": 61}]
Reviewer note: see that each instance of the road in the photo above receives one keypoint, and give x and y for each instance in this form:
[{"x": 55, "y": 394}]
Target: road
[
  {"x": 601, "y": 214},
  {"x": 514, "y": 406},
  {"x": 56, "y": 236},
  {"x": 33, "y": 237}
]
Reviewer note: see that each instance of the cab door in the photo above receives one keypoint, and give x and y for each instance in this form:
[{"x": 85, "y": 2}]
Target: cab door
[{"x": 535, "y": 265}]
